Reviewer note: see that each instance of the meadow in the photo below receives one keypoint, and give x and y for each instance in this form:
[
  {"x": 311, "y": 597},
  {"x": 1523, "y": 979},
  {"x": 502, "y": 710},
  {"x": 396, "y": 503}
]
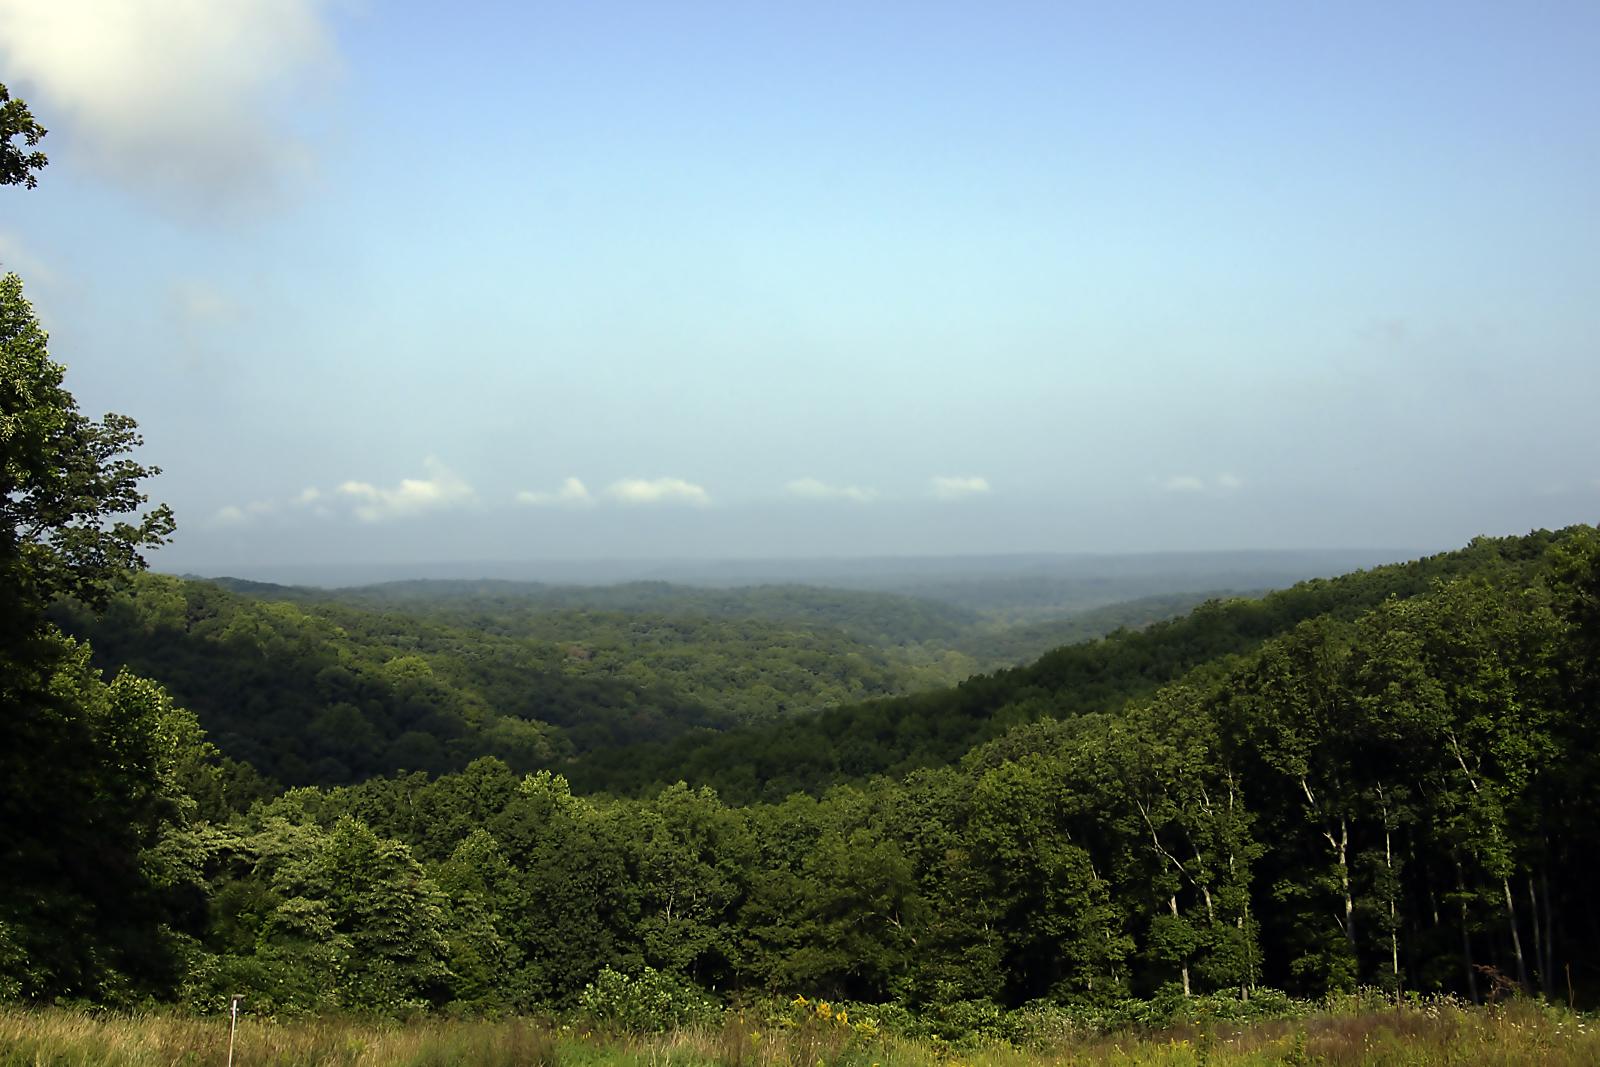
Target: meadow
[{"x": 1439, "y": 1032}]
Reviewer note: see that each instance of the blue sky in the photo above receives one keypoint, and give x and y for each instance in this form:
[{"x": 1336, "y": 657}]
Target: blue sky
[{"x": 393, "y": 281}]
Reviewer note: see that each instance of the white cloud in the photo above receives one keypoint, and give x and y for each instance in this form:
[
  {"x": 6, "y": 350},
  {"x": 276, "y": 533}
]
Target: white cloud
[
  {"x": 316, "y": 500},
  {"x": 440, "y": 490},
  {"x": 1189, "y": 483},
  {"x": 185, "y": 101},
  {"x": 573, "y": 493},
  {"x": 658, "y": 491},
  {"x": 947, "y": 487},
  {"x": 813, "y": 489},
  {"x": 234, "y": 515}
]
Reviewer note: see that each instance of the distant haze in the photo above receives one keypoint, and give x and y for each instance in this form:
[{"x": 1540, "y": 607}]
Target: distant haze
[
  {"x": 393, "y": 283},
  {"x": 1125, "y": 574}
]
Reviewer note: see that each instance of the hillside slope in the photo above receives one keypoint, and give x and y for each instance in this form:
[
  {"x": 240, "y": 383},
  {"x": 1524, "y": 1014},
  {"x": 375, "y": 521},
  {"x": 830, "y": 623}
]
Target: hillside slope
[
  {"x": 1383, "y": 780},
  {"x": 314, "y": 690},
  {"x": 895, "y": 735}
]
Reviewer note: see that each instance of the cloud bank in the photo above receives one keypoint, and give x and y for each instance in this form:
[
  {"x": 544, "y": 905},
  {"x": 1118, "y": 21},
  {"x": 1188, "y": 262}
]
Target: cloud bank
[
  {"x": 948, "y": 487},
  {"x": 573, "y": 493},
  {"x": 183, "y": 102},
  {"x": 658, "y": 491},
  {"x": 814, "y": 489},
  {"x": 440, "y": 490}
]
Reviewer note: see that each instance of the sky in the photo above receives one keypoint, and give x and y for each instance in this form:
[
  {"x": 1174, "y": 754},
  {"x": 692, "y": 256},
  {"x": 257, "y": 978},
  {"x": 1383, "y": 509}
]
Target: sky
[{"x": 396, "y": 282}]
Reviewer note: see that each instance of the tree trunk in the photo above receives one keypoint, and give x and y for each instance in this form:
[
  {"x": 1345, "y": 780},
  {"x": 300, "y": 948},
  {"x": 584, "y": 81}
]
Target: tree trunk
[
  {"x": 1549, "y": 930},
  {"x": 1394, "y": 922},
  {"x": 1516, "y": 937},
  {"x": 1466, "y": 937},
  {"x": 1538, "y": 939},
  {"x": 1205, "y": 890},
  {"x": 1173, "y": 901},
  {"x": 1349, "y": 901},
  {"x": 1253, "y": 963}
]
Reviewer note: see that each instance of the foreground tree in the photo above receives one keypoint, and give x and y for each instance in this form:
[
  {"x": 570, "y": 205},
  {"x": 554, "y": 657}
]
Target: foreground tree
[
  {"x": 88, "y": 770},
  {"x": 87, "y": 779},
  {"x": 89, "y": 788},
  {"x": 69, "y": 491},
  {"x": 16, "y": 164}
]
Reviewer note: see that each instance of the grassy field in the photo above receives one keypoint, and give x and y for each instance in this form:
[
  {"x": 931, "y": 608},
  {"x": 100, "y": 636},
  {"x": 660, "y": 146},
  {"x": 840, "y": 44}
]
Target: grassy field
[{"x": 1430, "y": 1034}]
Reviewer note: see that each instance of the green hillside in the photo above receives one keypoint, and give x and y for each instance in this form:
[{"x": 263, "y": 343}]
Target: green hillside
[
  {"x": 321, "y": 690},
  {"x": 1380, "y": 780},
  {"x": 1383, "y": 779},
  {"x": 930, "y": 729},
  {"x": 507, "y": 606},
  {"x": 314, "y": 686}
]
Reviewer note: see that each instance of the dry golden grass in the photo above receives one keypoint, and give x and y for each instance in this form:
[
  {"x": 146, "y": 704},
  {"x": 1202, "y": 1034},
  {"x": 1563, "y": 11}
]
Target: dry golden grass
[{"x": 1516, "y": 1035}]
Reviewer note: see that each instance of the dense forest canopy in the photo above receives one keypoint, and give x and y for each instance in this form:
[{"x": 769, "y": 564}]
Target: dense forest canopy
[
  {"x": 1379, "y": 779},
  {"x": 894, "y": 736},
  {"x": 317, "y": 687},
  {"x": 1387, "y": 794},
  {"x": 479, "y": 798}
]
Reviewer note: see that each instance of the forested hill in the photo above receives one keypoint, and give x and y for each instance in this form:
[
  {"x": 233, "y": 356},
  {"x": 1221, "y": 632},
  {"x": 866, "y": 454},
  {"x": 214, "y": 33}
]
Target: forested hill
[
  {"x": 893, "y": 736},
  {"x": 320, "y": 691},
  {"x": 1385, "y": 780},
  {"x": 315, "y": 686},
  {"x": 622, "y": 694},
  {"x": 948, "y": 641},
  {"x": 517, "y": 607}
]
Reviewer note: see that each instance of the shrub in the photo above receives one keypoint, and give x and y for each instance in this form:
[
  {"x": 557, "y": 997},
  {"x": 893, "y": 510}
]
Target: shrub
[{"x": 649, "y": 1002}]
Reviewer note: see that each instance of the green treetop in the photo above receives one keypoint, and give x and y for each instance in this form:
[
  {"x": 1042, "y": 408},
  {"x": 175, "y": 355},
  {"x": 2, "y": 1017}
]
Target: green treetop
[
  {"x": 69, "y": 495},
  {"x": 16, "y": 165}
]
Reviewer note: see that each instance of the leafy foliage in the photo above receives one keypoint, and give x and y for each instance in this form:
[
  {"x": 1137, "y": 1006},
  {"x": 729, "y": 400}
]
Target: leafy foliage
[
  {"x": 92, "y": 773},
  {"x": 649, "y": 1002},
  {"x": 1346, "y": 802},
  {"x": 314, "y": 692},
  {"x": 894, "y": 736},
  {"x": 17, "y": 165},
  {"x": 1372, "y": 784},
  {"x": 65, "y": 481}
]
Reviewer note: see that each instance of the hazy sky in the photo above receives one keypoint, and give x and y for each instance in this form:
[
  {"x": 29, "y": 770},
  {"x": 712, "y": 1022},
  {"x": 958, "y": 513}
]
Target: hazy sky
[{"x": 388, "y": 281}]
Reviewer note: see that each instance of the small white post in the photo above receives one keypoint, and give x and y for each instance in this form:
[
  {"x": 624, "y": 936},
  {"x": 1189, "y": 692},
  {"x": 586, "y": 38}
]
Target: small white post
[{"x": 234, "y": 1027}]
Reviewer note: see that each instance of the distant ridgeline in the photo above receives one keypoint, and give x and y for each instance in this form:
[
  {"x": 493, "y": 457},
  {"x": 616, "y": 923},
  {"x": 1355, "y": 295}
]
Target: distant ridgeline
[
  {"x": 316, "y": 687},
  {"x": 1388, "y": 778},
  {"x": 935, "y": 728}
]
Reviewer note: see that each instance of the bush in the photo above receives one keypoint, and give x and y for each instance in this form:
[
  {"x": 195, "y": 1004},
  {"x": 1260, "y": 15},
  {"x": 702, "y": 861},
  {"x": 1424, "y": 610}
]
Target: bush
[
  {"x": 1042, "y": 1023},
  {"x": 650, "y": 1002}
]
